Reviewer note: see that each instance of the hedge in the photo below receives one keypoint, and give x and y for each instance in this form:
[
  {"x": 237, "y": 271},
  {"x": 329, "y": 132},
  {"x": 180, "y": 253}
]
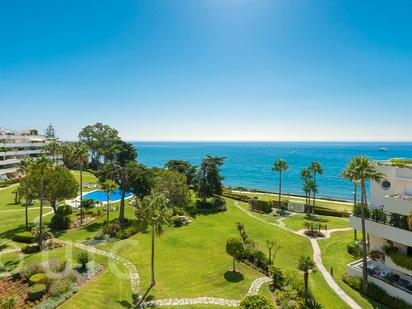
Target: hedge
[
  {"x": 376, "y": 293},
  {"x": 330, "y": 212},
  {"x": 39, "y": 278},
  {"x": 24, "y": 237},
  {"x": 36, "y": 291},
  {"x": 398, "y": 258}
]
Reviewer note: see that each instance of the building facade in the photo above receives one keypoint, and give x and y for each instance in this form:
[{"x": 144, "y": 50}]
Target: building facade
[
  {"x": 389, "y": 226},
  {"x": 17, "y": 145}
]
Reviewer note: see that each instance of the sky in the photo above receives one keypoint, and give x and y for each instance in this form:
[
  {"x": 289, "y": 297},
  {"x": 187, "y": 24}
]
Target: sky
[{"x": 209, "y": 69}]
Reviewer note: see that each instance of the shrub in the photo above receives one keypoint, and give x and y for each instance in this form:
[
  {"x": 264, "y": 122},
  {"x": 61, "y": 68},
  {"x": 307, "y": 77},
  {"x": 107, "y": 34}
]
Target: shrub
[
  {"x": 264, "y": 206},
  {"x": 59, "y": 222},
  {"x": 177, "y": 222},
  {"x": 219, "y": 203},
  {"x": 398, "y": 258},
  {"x": 83, "y": 258},
  {"x": 256, "y": 302},
  {"x": 24, "y": 237},
  {"x": 111, "y": 229},
  {"x": 59, "y": 287},
  {"x": 9, "y": 302},
  {"x": 357, "y": 211},
  {"x": 55, "y": 266},
  {"x": 88, "y": 203},
  {"x": 289, "y": 298},
  {"x": 378, "y": 215},
  {"x": 30, "y": 249},
  {"x": 278, "y": 278},
  {"x": 39, "y": 278},
  {"x": 354, "y": 249},
  {"x": 30, "y": 270},
  {"x": 36, "y": 291},
  {"x": 46, "y": 233}
]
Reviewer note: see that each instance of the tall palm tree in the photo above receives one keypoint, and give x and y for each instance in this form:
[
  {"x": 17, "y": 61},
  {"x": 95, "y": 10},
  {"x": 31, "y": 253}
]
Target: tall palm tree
[
  {"x": 316, "y": 169},
  {"x": 305, "y": 264},
  {"x": 364, "y": 170},
  {"x": 108, "y": 186},
  {"x": 306, "y": 176},
  {"x": 25, "y": 167},
  {"x": 350, "y": 174},
  {"x": 82, "y": 155},
  {"x": 155, "y": 214},
  {"x": 280, "y": 166},
  {"x": 40, "y": 168}
]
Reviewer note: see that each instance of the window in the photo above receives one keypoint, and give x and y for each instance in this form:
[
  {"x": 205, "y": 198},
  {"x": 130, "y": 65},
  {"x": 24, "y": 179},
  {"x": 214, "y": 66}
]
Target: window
[{"x": 386, "y": 185}]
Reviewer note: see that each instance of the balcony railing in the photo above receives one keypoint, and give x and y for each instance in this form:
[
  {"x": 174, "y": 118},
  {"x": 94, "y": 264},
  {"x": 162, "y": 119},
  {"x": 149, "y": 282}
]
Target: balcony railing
[{"x": 400, "y": 204}]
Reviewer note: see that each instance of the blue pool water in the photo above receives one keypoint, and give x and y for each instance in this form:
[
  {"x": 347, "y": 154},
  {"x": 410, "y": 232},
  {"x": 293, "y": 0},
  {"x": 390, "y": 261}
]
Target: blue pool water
[
  {"x": 101, "y": 195},
  {"x": 248, "y": 164}
]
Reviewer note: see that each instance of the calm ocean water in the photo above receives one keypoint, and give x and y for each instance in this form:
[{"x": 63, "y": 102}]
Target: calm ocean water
[{"x": 248, "y": 164}]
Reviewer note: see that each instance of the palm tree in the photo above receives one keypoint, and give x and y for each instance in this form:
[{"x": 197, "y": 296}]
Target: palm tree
[
  {"x": 53, "y": 148},
  {"x": 364, "y": 170},
  {"x": 305, "y": 264},
  {"x": 280, "y": 166},
  {"x": 155, "y": 214},
  {"x": 25, "y": 167},
  {"x": 82, "y": 155},
  {"x": 109, "y": 187},
  {"x": 349, "y": 174},
  {"x": 316, "y": 169},
  {"x": 40, "y": 167},
  {"x": 306, "y": 176}
]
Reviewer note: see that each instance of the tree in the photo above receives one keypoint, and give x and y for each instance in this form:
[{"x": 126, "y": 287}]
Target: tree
[
  {"x": 364, "y": 170},
  {"x": 273, "y": 247},
  {"x": 59, "y": 184},
  {"x": 155, "y": 214},
  {"x": 53, "y": 148},
  {"x": 38, "y": 171},
  {"x": 183, "y": 167},
  {"x": 316, "y": 169},
  {"x": 174, "y": 187},
  {"x": 350, "y": 174},
  {"x": 280, "y": 166},
  {"x": 82, "y": 155},
  {"x": 102, "y": 141},
  {"x": 26, "y": 186},
  {"x": 209, "y": 180},
  {"x": 306, "y": 176},
  {"x": 242, "y": 231},
  {"x": 234, "y": 247},
  {"x": 141, "y": 181},
  {"x": 69, "y": 154},
  {"x": 108, "y": 186},
  {"x": 312, "y": 187},
  {"x": 305, "y": 264},
  {"x": 50, "y": 132}
]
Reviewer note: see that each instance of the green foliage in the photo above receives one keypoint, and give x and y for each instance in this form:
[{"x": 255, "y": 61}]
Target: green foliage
[
  {"x": 174, "y": 187},
  {"x": 183, "y": 167},
  {"x": 47, "y": 234},
  {"x": 263, "y": 206},
  {"x": 278, "y": 278},
  {"x": 400, "y": 162},
  {"x": 378, "y": 215},
  {"x": 398, "y": 258},
  {"x": 209, "y": 180},
  {"x": 59, "y": 287},
  {"x": 83, "y": 257},
  {"x": 30, "y": 270},
  {"x": 256, "y": 302},
  {"x": 289, "y": 298},
  {"x": 88, "y": 203},
  {"x": 30, "y": 249},
  {"x": 234, "y": 247},
  {"x": 36, "y": 291},
  {"x": 24, "y": 237},
  {"x": 376, "y": 293},
  {"x": 39, "y": 278},
  {"x": 357, "y": 211},
  {"x": 9, "y": 302},
  {"x": 354, "y": 249},
  {"x": 61, "y": 219}
]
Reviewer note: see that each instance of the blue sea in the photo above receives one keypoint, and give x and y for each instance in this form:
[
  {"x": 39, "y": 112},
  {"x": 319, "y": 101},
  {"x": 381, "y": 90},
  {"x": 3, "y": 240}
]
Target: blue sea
[{"x": 249, "y": 164}]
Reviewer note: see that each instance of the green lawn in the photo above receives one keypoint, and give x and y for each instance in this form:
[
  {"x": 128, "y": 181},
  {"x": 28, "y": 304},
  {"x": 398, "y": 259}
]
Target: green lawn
[
  {"x": 339, "y": 206},
  {"x": 334, "y": 255},
  {"x": 296, "y": 222},
  {"x": 190, "y": 261},
  {"x": 87, "y": 178}
]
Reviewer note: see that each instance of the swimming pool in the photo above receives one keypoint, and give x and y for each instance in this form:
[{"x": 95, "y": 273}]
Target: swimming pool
[{"x": 100, "y": 195}]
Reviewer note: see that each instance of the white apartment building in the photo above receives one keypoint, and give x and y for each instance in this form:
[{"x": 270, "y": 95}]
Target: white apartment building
[
  {"x": 390, "y": 236},
  {"x": 16, "y": 145}
]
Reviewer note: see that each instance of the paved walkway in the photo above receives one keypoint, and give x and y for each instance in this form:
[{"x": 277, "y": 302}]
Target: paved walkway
[{"x": 317, "y": 257}]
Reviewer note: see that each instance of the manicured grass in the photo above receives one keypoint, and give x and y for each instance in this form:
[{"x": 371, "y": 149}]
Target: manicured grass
[
  {"x": 334, "y": 255},
  {"x": 339, "y": 206},
  {"x": 87, "y": 178},
  {"x": 296, "y": 222}
]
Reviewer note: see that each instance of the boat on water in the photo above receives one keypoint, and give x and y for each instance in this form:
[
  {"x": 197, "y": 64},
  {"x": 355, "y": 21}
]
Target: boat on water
[{"x": 383, "y": 149}]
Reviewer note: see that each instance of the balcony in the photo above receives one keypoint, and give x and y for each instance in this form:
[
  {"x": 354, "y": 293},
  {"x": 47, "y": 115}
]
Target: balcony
[
  {"x": 379, "y": 274},
  {"x": 21, "y": 145},
  {"x": 8, "y": 170},
  {"x": 20, "y": 152},
  {"x": 400, "y": 204},
  {"x": 9, "y": 161},
  {"x": 385, "y": 231}
]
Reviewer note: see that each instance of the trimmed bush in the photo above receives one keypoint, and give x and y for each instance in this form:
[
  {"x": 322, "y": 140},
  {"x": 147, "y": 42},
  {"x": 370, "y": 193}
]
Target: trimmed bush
[
  {"x": 24, "y": 237},
  {"x": 30, "y": 270},
  {"x": 83, "y": 258},
  {"x": 256, "y": 302},
  {"x": 61, "y": 220},
  {"x": 39, "y": 278},
  {"x": 36, "y": 291},
  {"x": 354, "y": 249}
]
